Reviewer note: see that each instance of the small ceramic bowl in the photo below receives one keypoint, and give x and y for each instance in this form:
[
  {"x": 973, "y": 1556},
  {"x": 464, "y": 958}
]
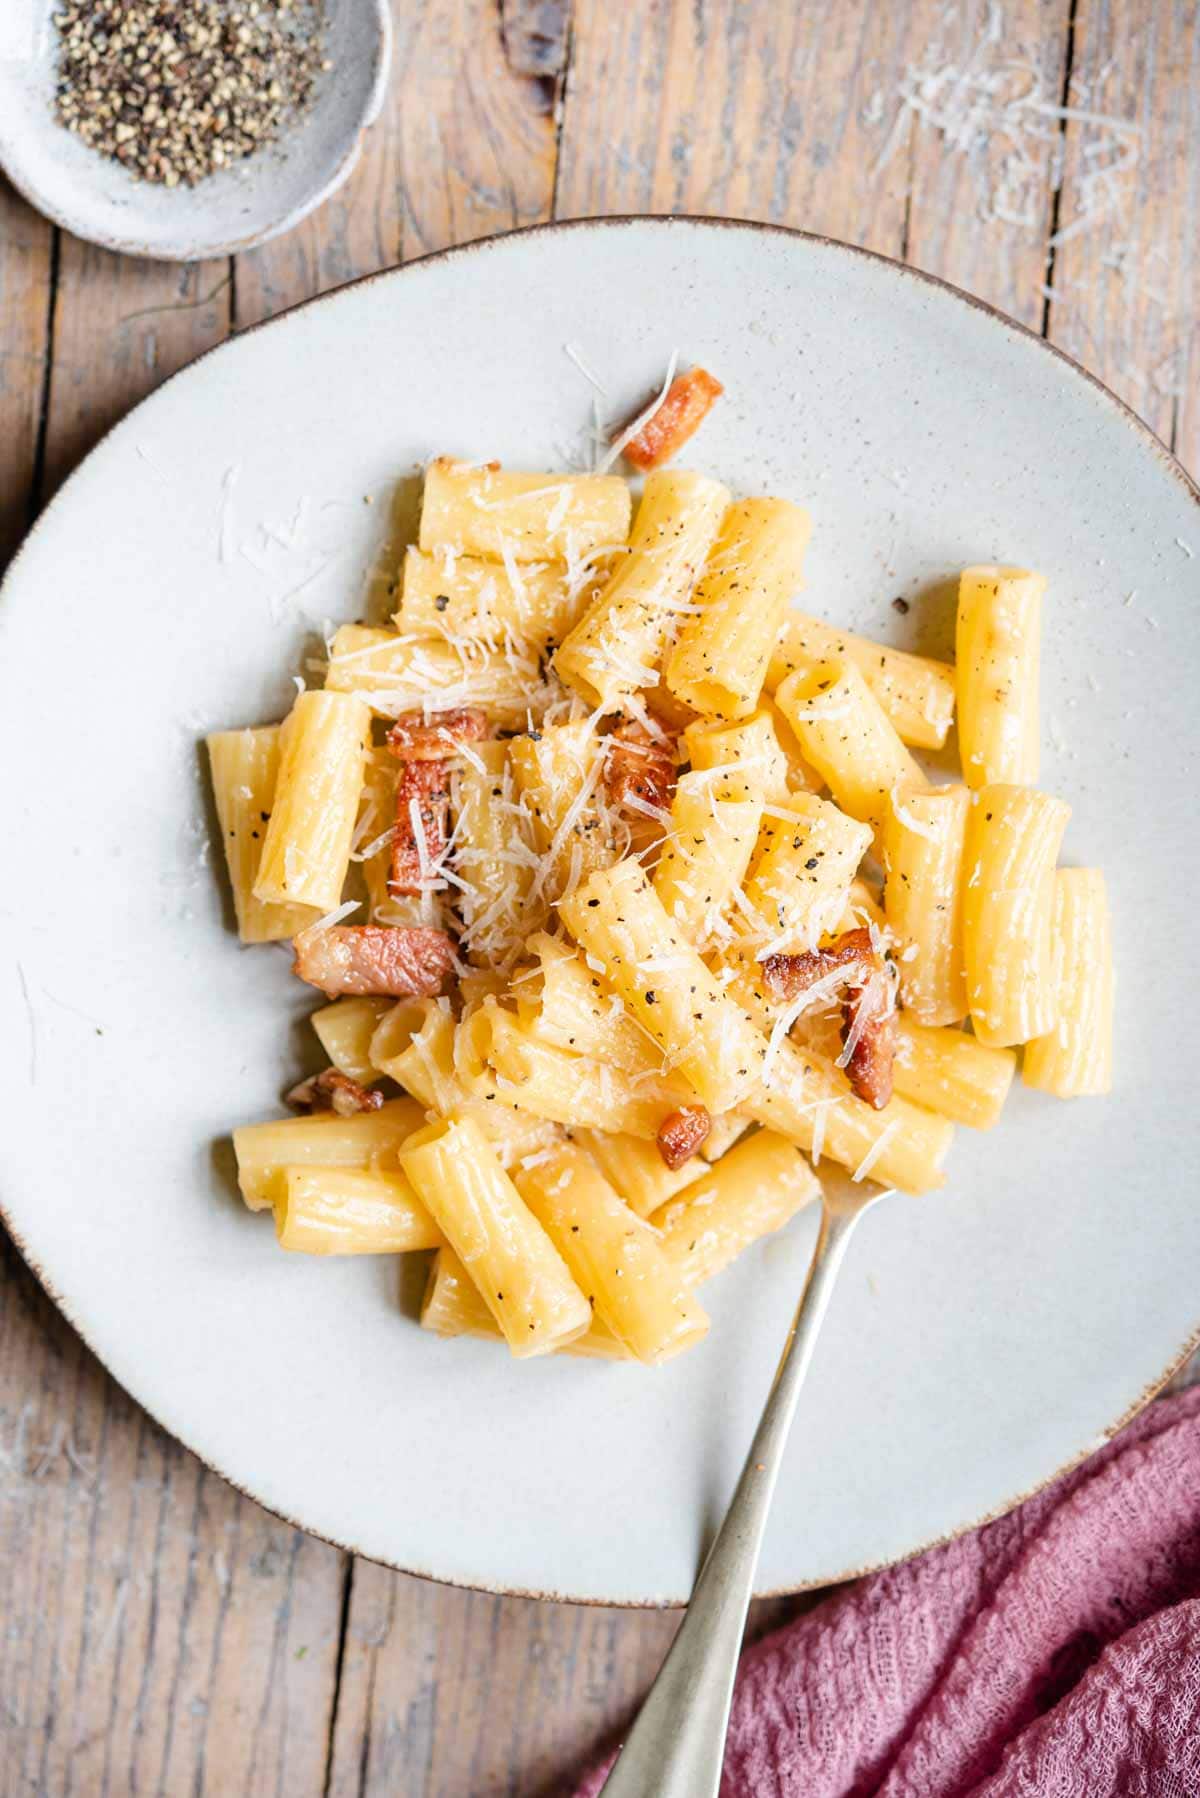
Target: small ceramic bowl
[{"x": 253, "y": 200}]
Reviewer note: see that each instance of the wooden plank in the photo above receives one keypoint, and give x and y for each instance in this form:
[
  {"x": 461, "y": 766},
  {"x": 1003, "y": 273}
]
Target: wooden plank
[
  {"x": 161, "y": 1633},
  {"x": 463, "y": 1692},
  {"x": 26, "y": 259},
  {"x": 730, "y": 108},
  {"x": 149, "y": 1607},
  {"x": 1125, "y": 279},
  {"x": 979, "y": 93},
  {"x": 465, "y": 147}
]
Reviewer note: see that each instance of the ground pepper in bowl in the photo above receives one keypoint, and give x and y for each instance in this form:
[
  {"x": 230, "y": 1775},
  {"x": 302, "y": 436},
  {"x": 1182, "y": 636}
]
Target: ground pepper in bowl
[{"x": 177, "y": 90}]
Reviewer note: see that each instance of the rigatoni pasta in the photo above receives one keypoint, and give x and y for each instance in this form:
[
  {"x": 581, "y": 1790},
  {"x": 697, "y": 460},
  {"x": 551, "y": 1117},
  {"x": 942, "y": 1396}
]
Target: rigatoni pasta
[
  {"x": 481, "y": 509},
  {"x": 521, "y": 1276},
  {"x": 618, "y": 918},
  {"x": 632, "y": 1285},
  {"x": 705, "y": 855},
  {"x": 924, "y": 844},
  {"x": 1073, "y": 1059},
  {"x": 805, "y": 861},
  {"x": 634, "y": 1168},
  {"x": 306, "y": 849},
  {"x": 998, "y": 647},
  {"x": 846, "y": 735},
  {"x": 265, "y": 1152},
  {"x": 468, "y": 599},
  {"x": 245, "y": 767},
  {"x": 754, "y": 569},
  {"x": 589, "y": 842},
  {"x": 916, "y": 692},
  {"x": 1013, "y": 839},
  {"x": 952, "y": 1073},
  {"x": 351, "y": 1211},
  {"x": 344, "y": 1030},
  {"x": 752, "y": 1191},
  {"x": 616, "y": 647}
]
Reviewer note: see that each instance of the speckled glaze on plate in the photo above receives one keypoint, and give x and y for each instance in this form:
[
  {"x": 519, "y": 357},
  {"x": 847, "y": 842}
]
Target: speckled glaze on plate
[
  {"x": 983, "y": 1337},
  {"x": 252, "y": 201}
]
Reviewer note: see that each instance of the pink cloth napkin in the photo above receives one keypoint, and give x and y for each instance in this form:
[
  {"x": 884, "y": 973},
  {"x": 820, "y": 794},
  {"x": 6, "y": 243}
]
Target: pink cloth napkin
[{"x": 1054, "y": 1652}]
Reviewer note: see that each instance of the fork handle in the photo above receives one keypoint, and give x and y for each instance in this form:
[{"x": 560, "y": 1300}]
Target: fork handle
[{"x": 677, "y": 1744}]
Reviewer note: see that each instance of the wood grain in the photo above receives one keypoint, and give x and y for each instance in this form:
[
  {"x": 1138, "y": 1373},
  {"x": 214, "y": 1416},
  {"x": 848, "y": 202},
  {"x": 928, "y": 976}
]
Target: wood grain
[
  {"x": 748, "y": 110},
  {"x": 446, "y": 1692},
  {"x": 26, "y": 259},
  {"x": 979, "y": 92},
  {"x": 465, "y": 147},
  {"x": 161, "y": 1633},
  {"x": 1125, "y": 280}
]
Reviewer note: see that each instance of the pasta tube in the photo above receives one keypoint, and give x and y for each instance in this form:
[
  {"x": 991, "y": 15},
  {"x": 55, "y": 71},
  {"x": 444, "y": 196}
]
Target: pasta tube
[
  {"x": 724, "y": 1133},
  {"x": 493, "y": 854},
  {"x": 244, "y": 766},
  {"x": 805, "y": 1098},
  {"x": 806, "y": 860},
  {"x": 369, "y": 1140},
  {"x": 520, "y": 1274},
  {"x": 634, "y": 1168},
  {"x": 916, "y": 692},
  {"x": 344, "y": 1030},
  {"x": 998, "y": 651},
  {"x": 618, "y": 918},
  {"x": 924, "y": 838},
  {"x": 306, "y": 851},
  {"x": 613, "y": 1256},
  {"x": 752, "y": 1191},
  {"x": 557, "y": 773},
  {"x": 753, "y": 570},
  {"x": 350, "y": 1211},
  {"x": 452, "y": 1306},
  {"x": 617, "y": 645},
  {"x": 480, "y": 509},
  {"x": 1013, "y": 839},
  {"x": 951, "y": 1073},
  {"x": 845, "y": 734},
  {"x": 395, "y": 674},
  {"x": 1074, "y": 1057},
  {"x": 465, "y": 599},
  {"x": 748, "y": 755},
  {"x": 564, "y": 1002},
  {"x": 373, "y": 832},
  {"x": 414, "y": 1045},
  {"x": 568, "y": 1089},
  {"x": 704, "y": 858}
]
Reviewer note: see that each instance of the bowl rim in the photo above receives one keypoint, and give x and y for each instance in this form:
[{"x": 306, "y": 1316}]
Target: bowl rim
[
  {"x": 14, "y": 171},
  {"x": 681, "y": 222}
]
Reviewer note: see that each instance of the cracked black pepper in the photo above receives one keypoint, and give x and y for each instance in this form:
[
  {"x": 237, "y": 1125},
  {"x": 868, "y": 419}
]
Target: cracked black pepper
[{"x": 176, "y": 90}]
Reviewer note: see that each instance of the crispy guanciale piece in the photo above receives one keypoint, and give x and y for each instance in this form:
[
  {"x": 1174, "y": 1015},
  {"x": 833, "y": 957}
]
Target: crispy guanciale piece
[
  {"x": 637, "y": 763},
  {"x": 868, "y": 1008},
  {"x": 682, "y": 1134},
  {"x": 687, "y": 404},
  {"x": 332, "y": 1090},
  {"x": 406, "y": 963},
  {"x": 423, "y": 787},
  {"x": 416, "y": 738}
]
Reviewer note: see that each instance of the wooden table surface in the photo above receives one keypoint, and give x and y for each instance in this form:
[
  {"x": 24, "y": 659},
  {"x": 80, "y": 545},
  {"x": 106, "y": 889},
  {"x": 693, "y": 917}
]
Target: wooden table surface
[{"x": 159, "y": 1633}]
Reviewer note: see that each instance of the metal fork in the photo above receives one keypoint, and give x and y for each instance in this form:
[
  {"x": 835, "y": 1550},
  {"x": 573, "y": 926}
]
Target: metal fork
[{"x": 676, "y": 1747}]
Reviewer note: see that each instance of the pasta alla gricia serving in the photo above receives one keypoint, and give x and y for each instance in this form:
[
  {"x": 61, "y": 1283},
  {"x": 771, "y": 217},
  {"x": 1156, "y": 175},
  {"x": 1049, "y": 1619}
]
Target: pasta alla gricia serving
[{"x": 632, "y": 904}]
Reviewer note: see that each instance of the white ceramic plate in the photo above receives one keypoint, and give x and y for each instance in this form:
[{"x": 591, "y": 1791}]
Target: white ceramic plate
[
  {"x": 248, "y": 203},
  {"x": 983, "y": 1337}
]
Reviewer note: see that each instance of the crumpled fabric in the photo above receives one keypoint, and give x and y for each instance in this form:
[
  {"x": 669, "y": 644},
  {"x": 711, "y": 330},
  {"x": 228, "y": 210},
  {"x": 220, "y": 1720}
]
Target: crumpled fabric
[{"x": 1054, "y": 1653}]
